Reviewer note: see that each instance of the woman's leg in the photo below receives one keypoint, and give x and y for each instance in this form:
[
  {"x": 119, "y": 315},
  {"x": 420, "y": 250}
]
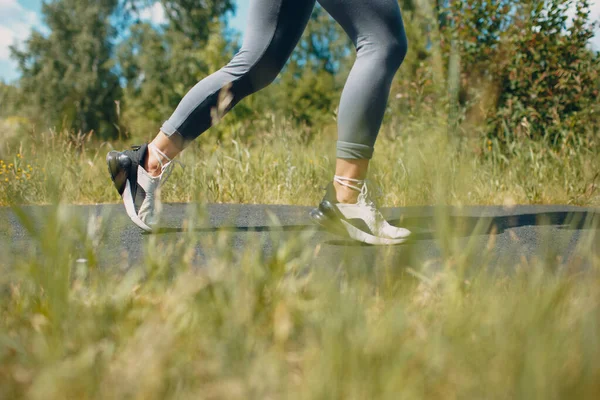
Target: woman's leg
[
  {"x": 377, "y": 31},
  {"x": 274, "y": 28}
]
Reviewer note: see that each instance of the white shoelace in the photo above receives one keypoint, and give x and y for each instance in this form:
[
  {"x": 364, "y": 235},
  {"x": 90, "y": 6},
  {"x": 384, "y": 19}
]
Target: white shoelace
[
  {"x": 165, "y": 168},
  {"x": 344, "y": 182},
  {"x": 364, "y": 198},
  {"x": 359, "y": 186}
]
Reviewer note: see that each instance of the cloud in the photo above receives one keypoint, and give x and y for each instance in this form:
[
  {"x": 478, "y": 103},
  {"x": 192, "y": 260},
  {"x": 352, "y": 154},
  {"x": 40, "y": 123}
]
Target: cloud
[
  {"x": 155, "y": 14},
  {"x": 15, "y": 25}
]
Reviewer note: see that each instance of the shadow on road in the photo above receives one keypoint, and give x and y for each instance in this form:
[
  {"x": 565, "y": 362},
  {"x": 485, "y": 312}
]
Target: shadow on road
[
  {"x": 468, "y": 226},
  {"x": 273, "y": 228},
  {"x": 424, "y": 227}
]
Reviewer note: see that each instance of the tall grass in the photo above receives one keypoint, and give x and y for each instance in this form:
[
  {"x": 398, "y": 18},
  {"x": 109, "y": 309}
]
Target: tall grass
[
  {"x": 285, "y": 325},
  {"x": 411, "y": 160}
]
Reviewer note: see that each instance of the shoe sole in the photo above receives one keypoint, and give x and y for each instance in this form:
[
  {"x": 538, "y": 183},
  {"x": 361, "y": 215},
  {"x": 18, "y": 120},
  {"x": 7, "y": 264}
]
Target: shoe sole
[
  {"x": 119, "y": 178},
  {"x": 343, "y": 228}
]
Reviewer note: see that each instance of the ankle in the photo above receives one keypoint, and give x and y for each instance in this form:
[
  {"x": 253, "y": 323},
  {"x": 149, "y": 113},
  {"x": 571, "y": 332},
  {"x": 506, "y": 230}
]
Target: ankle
[
  {"x": 344, "y": 194},
  {"x": 152, "y": 165}
]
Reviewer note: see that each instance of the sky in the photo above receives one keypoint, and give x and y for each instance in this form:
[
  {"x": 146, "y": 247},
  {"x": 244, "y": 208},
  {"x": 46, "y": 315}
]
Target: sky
[{"x": 18, "y": 17}]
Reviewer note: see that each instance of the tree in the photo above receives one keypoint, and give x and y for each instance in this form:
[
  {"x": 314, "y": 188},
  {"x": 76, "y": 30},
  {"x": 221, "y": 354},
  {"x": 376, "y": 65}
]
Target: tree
[
  {"x": 550, "y": 81},
  {"x": 160, "y": 64},
  {"x": 8, "y": 100},
  {"x": 542, "y": 78},
  {"x": 67, "y": 77},
  {"x": 196, "y": 19},
  {"x": 515, "y": 68}
]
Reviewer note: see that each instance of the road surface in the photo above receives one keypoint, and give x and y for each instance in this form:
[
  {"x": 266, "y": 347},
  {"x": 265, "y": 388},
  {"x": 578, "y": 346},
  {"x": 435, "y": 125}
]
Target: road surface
[{"x": 491, "y": 236}]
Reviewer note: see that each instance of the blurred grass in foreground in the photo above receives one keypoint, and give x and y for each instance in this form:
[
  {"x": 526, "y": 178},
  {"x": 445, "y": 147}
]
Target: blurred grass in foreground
[
  {"x": 285, "y": 326},
  {"x": 274, "y": 168}
]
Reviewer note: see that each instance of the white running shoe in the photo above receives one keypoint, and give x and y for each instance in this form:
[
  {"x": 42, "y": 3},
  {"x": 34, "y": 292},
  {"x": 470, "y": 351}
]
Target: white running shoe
[
  {"x": 361, "y": 221},
  {"x": 136, "y": 186}
]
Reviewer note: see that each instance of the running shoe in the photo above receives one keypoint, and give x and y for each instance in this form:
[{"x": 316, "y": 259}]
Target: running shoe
[
  {"x": 136, "y": 186},
  {"x": 361, "y": 221}
]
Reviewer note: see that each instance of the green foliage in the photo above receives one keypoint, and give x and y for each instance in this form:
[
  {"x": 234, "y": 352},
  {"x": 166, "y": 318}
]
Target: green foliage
[
  {"x": 67, "y": 76},
  {"x": 161, "y": 63},
  {"x": 195, "y": 20},
  {"x": 499, "y": 69},
  {"x": 531, "y": 73},
  {"x": 550, "y": 84},
  {"x": 9, "y": 97},
  {"x": 480, "y": 27}
]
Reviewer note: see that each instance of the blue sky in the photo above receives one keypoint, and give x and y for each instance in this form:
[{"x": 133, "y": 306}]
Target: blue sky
[{"x": 18, "y": 17}]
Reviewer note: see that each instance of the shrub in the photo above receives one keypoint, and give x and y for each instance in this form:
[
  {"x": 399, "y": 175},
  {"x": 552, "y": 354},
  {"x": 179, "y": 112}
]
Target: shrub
[{"x": 544, "y": 79}]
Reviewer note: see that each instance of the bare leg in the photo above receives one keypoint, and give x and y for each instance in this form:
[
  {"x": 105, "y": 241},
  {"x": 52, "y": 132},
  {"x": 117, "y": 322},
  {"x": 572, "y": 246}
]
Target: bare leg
[
  {"x": 353, "y": 169},
  {"x": 171, "y": 146}
]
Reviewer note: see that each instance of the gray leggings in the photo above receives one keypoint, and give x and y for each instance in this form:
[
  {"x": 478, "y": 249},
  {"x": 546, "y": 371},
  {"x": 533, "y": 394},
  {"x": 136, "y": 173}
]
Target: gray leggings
[{"x": 274, "y": 29}]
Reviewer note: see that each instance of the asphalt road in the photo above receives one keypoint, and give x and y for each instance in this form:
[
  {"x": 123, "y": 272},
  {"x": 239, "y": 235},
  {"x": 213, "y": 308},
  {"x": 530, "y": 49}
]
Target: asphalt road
[{"x": 490, "y": 236}]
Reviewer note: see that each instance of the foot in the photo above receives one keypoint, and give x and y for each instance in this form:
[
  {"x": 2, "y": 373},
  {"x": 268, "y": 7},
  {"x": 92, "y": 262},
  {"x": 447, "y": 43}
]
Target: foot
[
  {"x": 137, "y": 187},
  {"x": 360, "y": 221}
]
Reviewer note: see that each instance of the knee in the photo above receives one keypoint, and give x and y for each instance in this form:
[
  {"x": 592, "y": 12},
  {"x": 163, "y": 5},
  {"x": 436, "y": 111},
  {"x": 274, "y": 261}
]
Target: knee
[
  {"x": 391, "y": 50},
  {"x": 256, "y": 72},
  {"x": 264, "y": 73},
  {"x": 394, "y": 50}
]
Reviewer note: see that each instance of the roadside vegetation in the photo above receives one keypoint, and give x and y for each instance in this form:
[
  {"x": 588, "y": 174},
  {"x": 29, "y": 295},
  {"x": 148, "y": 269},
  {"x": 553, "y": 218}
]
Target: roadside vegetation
[
  {"x": 411, "y": 163},
  {"x": 498, "y": 101}
]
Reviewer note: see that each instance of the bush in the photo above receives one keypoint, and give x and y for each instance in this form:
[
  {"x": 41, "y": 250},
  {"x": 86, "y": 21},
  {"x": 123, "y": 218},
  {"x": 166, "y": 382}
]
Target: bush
[
  {"x": 550, "y": 85},
  {"x": 542, "y": 77}
]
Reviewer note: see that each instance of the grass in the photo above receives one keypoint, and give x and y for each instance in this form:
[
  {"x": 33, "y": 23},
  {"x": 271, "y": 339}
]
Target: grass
[
  {"x": 416, "y": 164},
  {"x": 285, "y": 325}
]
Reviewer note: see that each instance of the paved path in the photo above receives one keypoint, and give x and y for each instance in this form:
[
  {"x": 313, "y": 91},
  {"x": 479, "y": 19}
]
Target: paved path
[{"x": 512, "y": 235}]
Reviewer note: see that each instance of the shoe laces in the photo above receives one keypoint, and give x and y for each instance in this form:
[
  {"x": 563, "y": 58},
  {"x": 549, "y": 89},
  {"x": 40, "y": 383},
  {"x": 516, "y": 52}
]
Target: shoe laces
[
  {"x": 165, "y": 168},
  {"x": 361, "y": 186},
  {"x": 364, "y": 198}
]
